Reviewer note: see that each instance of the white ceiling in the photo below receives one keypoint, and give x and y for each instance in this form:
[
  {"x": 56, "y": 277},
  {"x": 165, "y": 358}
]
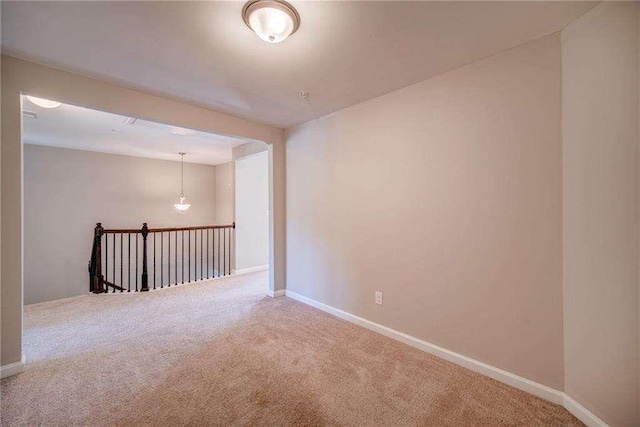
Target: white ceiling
[
  {"x": 81, "y": 128},
  {"x": 344, "y": 52}
]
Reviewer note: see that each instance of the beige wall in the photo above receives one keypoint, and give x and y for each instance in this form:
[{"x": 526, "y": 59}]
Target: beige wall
[
  {"x": 252, "y": 211},
  {"x": 23, "y": 77},
  {"x": 277, "y": 215},
  {"x": 240, "y": 152},
  {"x": 225, "y": 194},
  {"x": 248, "y": 149},
  {"x": 225, "y": 175},
  {"x": 447, "y": 196},
  {"x": 224, "y": 210},
  {"x": 11, "y": 217},
  {"x": 601, "y": 172},
  {"x": 66, "y": 192}
]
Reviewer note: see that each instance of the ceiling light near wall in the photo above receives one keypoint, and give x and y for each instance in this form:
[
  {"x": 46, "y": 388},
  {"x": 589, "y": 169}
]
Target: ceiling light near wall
[
  {"x": 44, "y": 103},
  {"x": 272, "y": 20},
  {"x": 182, "y": 204},
  {"x": 180, "y": 131}
]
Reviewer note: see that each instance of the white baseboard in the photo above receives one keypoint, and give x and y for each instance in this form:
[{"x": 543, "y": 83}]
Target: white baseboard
[
  {"x": 276, "y": 294},
  {"x": 581, "y": 413},
  {"x": 12, "y": 369},
  {"x": 251, "y": 269},
  {"x": 524, "y": 384}
]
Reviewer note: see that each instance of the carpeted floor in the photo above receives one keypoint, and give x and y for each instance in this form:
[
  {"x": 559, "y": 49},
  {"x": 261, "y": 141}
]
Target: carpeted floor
[{"x": 222, "y": 353}]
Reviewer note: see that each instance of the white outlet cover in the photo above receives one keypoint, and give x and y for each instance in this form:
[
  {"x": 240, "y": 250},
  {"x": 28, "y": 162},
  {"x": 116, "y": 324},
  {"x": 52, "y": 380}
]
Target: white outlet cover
[{"x": 378, "y": 298}]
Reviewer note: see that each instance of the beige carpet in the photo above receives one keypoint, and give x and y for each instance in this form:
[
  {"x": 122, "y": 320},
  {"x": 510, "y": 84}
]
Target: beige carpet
[{"x": 222, "y": 353}]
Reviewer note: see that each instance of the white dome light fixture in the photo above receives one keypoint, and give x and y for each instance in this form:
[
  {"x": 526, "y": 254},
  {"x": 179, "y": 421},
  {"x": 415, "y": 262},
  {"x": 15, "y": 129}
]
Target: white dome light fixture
[
  {"x": 44, "y": 103},
  {"x": 182, "y": 204},
  {"x": 272, "y": 20}
]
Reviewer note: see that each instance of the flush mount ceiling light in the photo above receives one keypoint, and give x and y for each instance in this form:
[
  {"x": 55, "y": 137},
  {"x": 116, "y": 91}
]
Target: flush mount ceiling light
[
  {"x": 44, "y": 103},
  {"x": 272, "y": 20},
  {"x": 180, "y": 131},
  {"x": 182, "y": 204}
]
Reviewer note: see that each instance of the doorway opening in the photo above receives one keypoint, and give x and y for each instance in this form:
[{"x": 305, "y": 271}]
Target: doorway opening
[{"x": 83, "y": 166}]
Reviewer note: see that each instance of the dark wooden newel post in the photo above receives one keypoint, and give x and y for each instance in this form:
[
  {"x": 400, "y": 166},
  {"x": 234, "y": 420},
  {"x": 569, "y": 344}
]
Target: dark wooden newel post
[
  {"x": 96, "y": 280},
  {"x": 145, "y": 275}
]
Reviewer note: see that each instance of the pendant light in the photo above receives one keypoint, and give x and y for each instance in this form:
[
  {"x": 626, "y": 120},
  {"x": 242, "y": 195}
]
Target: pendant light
[{"x": 182, "y": 204}]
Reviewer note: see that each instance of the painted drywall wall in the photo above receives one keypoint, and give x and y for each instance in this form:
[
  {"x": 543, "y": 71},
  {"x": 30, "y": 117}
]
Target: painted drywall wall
[
  {"x": 248, "y": 149},
  {"x": 68, "y": 191},
  {"x": 447, "y": 197},
  {"x": 601, "y": 172},
  {"x": 252, "y": 211},
  {"x": 225, "y": 177},
  {"x": 19, "y": 77},
  {"x": 224, "y": 207},
  {"x": 225, "y": 190},
  {"x": 11, "y": 194}
]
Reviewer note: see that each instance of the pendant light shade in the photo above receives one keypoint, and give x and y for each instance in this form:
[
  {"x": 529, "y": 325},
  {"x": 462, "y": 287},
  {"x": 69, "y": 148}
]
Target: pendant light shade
[{"x": 182, "y": 204}]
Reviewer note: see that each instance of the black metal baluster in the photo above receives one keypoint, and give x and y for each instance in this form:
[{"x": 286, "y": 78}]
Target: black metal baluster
[
  {"x": 154, "y": 260},
  {"x": 136, "y": 262},
  {"x": 215, "y": 253},
  {"x": 129, "y": 263},
  {"x": 208, "y": 230},
  {"x": 175, "y": 255},
  {"x": 182, "y": 253},
  {"x": 114, "y": 262},
  {"x": 195, "y": 255},
  {"x": 106, "y": 262},
  {"x": 229, "y": 251},
  {"x": 161, "y": 260},
  {"x": 224, "y": 251},
  {"x": 218, "y": 252},
  {"x": 201, "y": 252},
  {"x": 121, "y": 262},
  {"x": 169, "y": 260},
  {"x": 189, "y": 235}
]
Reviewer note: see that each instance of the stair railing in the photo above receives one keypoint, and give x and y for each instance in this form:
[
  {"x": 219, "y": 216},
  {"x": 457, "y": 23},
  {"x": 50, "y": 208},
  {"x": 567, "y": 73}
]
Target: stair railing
[{"x": 204, "y": 252}]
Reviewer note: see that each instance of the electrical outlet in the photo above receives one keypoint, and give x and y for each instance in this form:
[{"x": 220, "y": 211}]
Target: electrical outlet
[{"x": 378, "y": 298}]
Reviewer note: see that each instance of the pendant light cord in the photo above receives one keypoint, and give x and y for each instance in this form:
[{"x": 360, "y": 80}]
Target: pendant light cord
[
  {"x": 182, "y": 175},
  {"x": 230, "y": 163}
]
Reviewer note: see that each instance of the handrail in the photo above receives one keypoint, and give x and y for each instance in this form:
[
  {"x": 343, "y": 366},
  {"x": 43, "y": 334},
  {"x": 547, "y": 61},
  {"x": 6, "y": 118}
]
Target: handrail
[
  {"x": 161, "y": 230},
  {"x": 208, "y": 257}
]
